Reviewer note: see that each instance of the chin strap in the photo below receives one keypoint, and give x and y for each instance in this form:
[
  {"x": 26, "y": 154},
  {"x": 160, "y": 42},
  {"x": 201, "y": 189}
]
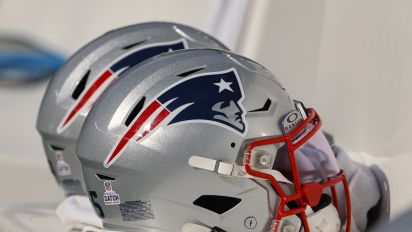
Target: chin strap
[{"x": 230, "y": 169}]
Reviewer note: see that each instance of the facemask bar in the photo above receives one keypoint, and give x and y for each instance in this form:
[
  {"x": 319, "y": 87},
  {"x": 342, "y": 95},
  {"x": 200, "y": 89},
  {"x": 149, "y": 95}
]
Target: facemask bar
[{"x": 307, "y": 194}]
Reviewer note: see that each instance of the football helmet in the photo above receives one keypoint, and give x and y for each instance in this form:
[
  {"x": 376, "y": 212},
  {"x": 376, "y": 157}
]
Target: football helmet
[
  {"x": 206, "y": 140},
  {"x": 82, "y": 79}
]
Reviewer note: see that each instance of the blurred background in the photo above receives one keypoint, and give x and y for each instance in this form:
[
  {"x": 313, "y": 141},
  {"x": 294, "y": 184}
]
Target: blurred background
[{"x": 351, "y": 60}]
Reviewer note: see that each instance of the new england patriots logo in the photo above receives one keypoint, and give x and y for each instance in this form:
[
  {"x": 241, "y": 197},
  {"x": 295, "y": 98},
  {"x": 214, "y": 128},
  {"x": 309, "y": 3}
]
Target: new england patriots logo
[
  {"x": 128, "y": 60},
  {"x": 213, "y": 98}
]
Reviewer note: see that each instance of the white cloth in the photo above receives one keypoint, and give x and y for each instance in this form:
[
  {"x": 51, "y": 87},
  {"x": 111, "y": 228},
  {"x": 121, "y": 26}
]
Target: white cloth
[
  {"x": 324, "y": 220},
  {"x": 391, "y": 174},
  {"x": 74, "y": 214},
  {"x": 363, "y": 187},
  {"x": 31, "y": 218},
  {"x": 75, "y": 210}
]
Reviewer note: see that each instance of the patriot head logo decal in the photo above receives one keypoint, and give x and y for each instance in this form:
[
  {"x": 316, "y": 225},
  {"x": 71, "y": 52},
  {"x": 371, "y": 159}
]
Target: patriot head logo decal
[
  {"x": 213, "y": 98},
  {"x": 128, "y": 60}
]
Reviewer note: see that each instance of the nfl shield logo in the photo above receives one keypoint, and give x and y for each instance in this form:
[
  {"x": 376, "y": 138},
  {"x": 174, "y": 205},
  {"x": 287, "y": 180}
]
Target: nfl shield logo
[
  {"x": 110, "y": 197},
  {"x": 107, "y": 186}
]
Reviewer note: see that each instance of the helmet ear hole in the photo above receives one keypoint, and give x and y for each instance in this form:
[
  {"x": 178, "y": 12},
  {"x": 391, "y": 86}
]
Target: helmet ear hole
[{"x": 217, "y": 204}]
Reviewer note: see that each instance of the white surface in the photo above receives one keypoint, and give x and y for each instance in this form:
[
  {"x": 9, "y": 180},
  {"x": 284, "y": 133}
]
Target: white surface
[
  {"x": 351, "y": 60},
  {"x": 364, "y": 74},
  {"x": 27, "y": 180},
  {"x": 227, "y": 20},
  {"x": 68, "y": 25},
  {"x": 18, "y": 136},
  {"x": 25, "y": 172},
  {"x": 30, "y": 218}
]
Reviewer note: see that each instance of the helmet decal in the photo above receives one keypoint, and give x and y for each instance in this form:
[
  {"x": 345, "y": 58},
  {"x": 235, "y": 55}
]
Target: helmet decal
[
  {"x": 213, "y": 98},
  {"x": 128, "y": 60}
]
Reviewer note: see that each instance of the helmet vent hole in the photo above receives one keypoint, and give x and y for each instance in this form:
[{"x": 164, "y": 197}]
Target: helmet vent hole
[
  {"x": 135, "y": 111},
  {"x": 187, "y": 73},
  {"x": 264, "y": 108},
  {"x": 217, "y": 204},
  {"x": 133, "y": 45},
  {"x": 80, "y": 86},
  {"x": 104, "y": 177},
  {"x": 56, "y": 148}
]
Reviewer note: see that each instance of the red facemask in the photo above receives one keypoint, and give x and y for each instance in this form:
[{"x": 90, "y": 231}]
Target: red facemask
[{"x": 305, "y": 158}]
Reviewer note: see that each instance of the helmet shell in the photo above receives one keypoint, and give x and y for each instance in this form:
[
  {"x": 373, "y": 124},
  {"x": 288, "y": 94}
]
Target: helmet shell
[{"x": 155, "y": 187}]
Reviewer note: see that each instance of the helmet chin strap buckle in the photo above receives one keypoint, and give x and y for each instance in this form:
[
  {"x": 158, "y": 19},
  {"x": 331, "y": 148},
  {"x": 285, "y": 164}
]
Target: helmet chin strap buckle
[
  {"x": 191, "y": 227},
  {"x": 230, "y": 169},
  {"x": 212, "y": 165}
]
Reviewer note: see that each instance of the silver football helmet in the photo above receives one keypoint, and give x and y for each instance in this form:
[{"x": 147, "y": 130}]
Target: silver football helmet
[
  {"x": 75, "y": 88},
  {"x": 206, "y": 140}
]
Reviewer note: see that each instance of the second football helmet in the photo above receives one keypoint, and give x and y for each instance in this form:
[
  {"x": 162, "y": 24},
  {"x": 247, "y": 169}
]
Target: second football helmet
[{"x": 83, "y": 78}]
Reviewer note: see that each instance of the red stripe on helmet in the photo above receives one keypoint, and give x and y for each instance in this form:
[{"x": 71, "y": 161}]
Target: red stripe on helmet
[
  {"x": 133, "y": 130},
  {"x": 159, "y": 118},
  {"x": 85, "y": 98}
]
